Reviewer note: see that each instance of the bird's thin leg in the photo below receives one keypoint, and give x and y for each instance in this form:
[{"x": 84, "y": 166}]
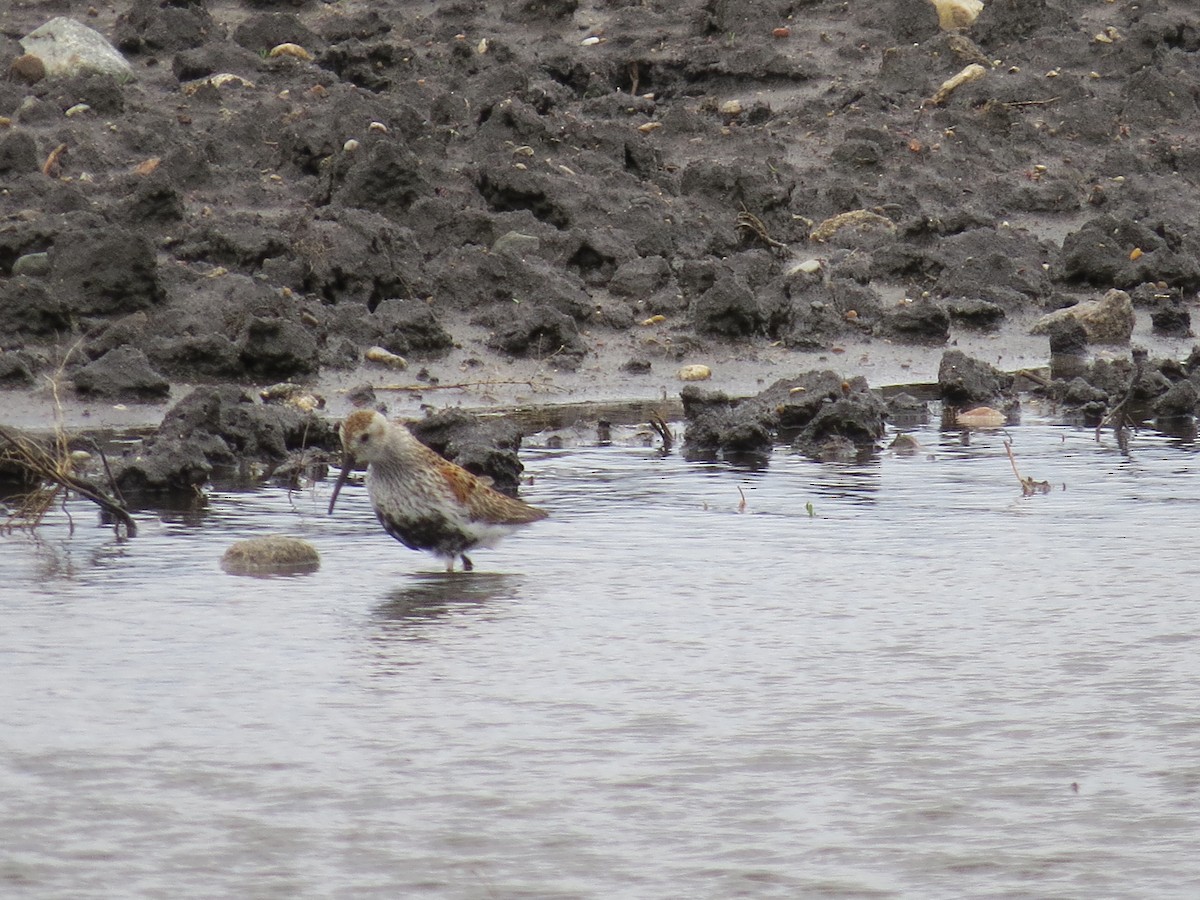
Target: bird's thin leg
[
  {"x": 450, "y": 564},
  {"x": 467, "y": 564}
]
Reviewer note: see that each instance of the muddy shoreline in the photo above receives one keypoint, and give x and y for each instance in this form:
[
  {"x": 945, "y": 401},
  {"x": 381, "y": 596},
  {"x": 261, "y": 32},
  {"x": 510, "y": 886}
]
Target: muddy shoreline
[{"x": 491, "y": 206}]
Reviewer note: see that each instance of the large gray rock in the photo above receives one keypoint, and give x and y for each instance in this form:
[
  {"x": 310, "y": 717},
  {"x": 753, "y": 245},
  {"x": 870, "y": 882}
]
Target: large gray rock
[
  {"x": 67, "y": 48},
  {"x": 1109, "y": 320}
]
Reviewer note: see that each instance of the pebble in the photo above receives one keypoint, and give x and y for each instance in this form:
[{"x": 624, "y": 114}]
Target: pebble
[
  {"x": 953, "y": 14},
  {"x": 217, "y": 81},
  {"x": 807, "y": 267},
  {"x": 294, "y": 395},
  {"x": 288, "y": 49},
  {"x": 695, "y": 373},
  {"x": 386, "y": 357}
]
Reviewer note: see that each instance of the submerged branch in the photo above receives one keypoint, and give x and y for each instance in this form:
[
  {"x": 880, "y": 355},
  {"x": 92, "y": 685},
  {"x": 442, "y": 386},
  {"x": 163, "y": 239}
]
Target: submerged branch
[
  {"x": 659, "y": 424},
  {"x": 464, "y": 386},
  {"x": 1029, "y": 486},
  {"x": 53, "y": 476}
]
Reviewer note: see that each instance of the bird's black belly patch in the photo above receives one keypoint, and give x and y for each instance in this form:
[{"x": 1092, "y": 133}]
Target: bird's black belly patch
[{"x": 431, "y": 533}]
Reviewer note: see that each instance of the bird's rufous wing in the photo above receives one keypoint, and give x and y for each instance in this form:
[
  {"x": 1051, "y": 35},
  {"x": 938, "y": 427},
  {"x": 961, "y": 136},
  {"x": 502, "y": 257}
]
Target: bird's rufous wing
[{"x": 483, "y": 503}]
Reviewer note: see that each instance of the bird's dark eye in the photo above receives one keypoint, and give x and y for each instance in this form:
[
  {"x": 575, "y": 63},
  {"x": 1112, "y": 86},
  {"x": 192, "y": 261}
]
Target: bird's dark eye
[{"x": 363, "y": 438}]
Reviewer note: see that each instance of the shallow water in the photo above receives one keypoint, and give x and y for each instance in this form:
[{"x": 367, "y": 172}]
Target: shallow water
[{"x": 932, "y": 686}]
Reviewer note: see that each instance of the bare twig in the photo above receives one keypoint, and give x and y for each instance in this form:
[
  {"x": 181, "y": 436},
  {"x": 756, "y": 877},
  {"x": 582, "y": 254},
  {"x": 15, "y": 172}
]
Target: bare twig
[
  {"x": 108, "y": 470},
  {"x": 52, "y": 471},
  {"x": 664, "y": 431},
  {"x": 53, "y": 474},
  {"x": 1036, "y": 377},
  {"x": 53, "y": 164},
  {"x": 1029, "y": 486},
  {"x": 1015, "y": 104},
  {"x": 462, "y": 386},
  {"x": 749, "y": 222},
  {"x": 1120, "y": 419}
]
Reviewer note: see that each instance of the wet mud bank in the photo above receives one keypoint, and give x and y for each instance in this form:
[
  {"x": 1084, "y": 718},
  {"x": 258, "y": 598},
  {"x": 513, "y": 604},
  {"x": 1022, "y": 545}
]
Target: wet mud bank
[{"x": 535, "y": 204}]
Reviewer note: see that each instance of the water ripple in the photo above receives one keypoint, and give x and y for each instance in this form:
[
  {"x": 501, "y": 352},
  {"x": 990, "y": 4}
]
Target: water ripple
[{"x": 895, "y": 678}]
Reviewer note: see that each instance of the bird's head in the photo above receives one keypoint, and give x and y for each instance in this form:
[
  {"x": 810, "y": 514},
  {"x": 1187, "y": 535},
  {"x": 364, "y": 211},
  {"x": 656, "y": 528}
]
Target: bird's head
[{"x": 364, "y": 434}]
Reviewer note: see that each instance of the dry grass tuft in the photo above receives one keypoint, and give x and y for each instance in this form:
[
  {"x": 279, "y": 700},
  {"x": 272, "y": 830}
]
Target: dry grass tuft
[{"x": 50, "y": 468}]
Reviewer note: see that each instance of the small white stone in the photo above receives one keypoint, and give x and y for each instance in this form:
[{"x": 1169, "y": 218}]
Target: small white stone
[
  {"x": 386, "y": 357},
  {"x": 808, "y": 267}
]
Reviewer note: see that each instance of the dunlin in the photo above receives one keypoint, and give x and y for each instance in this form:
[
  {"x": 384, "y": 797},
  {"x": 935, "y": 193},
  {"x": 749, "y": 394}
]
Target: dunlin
[{"x": 422, "y": 500}]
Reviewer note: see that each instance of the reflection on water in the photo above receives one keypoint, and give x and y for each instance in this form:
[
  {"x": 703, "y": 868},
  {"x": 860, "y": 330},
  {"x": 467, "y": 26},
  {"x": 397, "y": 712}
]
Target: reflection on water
[
  {"x": 46, "y": 559},
  {"x": 856, "y": 482},
  {"x": 436, "y": 594},
  {"x": 428, "y": 603},
  {"x": 897, "y": 677}
]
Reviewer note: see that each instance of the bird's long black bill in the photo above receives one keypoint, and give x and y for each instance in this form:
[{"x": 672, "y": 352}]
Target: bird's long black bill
[{"x": 347, "y": 465}]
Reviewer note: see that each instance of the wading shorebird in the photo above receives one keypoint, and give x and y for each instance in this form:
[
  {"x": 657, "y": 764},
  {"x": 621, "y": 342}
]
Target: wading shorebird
[{"x": 422, "y": 500}]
